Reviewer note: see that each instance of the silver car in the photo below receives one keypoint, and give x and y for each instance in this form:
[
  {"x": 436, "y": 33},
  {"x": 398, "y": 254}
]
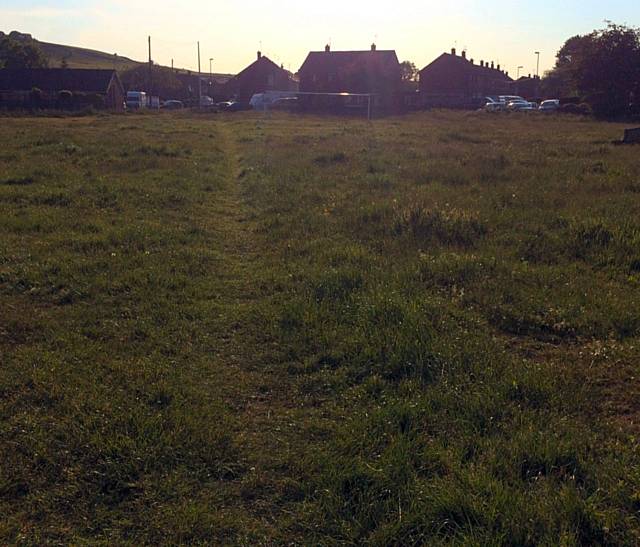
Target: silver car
[{"x": 550, "y": 105}]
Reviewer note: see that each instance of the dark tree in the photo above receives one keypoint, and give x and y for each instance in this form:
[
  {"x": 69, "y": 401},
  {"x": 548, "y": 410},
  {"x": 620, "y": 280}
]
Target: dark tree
[
  {"x": 602, "y": 68},
  {"x": 16, "y": 53},
  {"x": 163, "y": 81},
  {"x": 409, "y": 71}
]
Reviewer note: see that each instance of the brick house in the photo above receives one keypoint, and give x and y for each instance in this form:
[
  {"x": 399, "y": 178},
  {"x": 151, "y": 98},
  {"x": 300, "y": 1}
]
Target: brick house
[
  {"x": 454, "y": 81},
  {"x": 528, "y": 87},
  {"x": 260, "y": 76},
  {"x": 369, "y": 72},
  {"x": 101, "y": 88}
]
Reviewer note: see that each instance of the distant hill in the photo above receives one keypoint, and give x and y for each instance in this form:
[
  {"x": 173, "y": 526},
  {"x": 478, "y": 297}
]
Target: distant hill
[{"x": 78, "y": 57}]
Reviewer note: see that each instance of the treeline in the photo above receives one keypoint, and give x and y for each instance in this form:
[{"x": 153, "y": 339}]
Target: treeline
[
  {"x": 20, "y": 51},
  {"x": 602, "y": 69}
]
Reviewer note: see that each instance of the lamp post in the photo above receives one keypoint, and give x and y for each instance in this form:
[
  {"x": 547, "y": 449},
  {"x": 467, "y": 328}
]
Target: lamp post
[
  {"x": 518, "y": 76},
  {"x": 538, "y": 64}
]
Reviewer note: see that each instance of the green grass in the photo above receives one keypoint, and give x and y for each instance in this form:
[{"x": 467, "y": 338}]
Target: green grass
[
  {"x": 78, "y": 57},
  {"x": 252, "y": 329}
]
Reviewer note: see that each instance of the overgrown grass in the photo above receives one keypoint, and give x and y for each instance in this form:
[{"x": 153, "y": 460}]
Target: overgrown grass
[{"x": 262, "y": 330}]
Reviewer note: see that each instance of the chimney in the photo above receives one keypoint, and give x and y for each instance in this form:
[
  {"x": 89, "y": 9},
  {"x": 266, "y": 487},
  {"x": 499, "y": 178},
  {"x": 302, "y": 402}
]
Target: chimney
[
  {"x": 453, "y": 51},
  {"x": 471, "y": 61},
  {"x": 529, "y": 76},
  {"x": 498, "y": 67},
  {"x": 507, "y": 73},
  {"x": 491, "y": 64},
  {"x": 481, "y": 63},
  {"x": 373, "y": 47},
  {"x": 464, "y": 53},
  {"x": 327, "y": 48},
  {"x": 259, "y": 54}
]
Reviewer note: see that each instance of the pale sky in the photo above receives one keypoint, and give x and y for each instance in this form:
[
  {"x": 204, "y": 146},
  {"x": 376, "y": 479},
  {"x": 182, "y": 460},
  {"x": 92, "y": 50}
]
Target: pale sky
[{"x": 286, "y": 30}]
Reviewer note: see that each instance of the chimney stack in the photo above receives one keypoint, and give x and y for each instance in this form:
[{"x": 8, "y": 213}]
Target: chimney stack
[
  {"x": 491, "y": 64},
  {"x": 259, "y": 54},
  {"x": 327, "y": 48},
  {"x": 498, "y": 67},
  {"x": 481, "y": 63},
  {"x": 471, "y": 61},
  {"x": 453, "y": 51},
  {"x": 373, "y": 47},
  {"x": 464, "y": 53}
]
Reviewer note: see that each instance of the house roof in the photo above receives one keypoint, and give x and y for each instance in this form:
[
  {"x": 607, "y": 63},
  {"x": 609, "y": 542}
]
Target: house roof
[
  {"x": 57, "y": 79},
  {"x": 466, "y": 64},
  {"x": 324, "y": 61},
  {"x": 261, "y": 61}
]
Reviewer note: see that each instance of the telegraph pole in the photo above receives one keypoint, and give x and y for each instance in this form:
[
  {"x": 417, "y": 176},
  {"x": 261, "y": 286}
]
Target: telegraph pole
[
  {"x": 538, "y": 64},
  {"x": 199, "y": 80},
  {"x": 211, "y": 77},
  {"x": 150, "y": 70}
]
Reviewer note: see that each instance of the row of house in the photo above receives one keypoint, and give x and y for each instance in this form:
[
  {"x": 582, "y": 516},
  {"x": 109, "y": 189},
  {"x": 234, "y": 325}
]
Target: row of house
[{"x": 451, "y": 80}]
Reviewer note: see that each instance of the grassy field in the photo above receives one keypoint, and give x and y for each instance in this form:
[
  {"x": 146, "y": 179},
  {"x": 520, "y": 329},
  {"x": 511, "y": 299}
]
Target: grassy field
[{"x": 254, "y": 329}]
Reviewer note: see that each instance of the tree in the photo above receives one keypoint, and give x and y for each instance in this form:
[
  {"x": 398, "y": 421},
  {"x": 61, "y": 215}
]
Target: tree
[
  {"x": 602, "y": 68},
  {"x": 409, "y": 71},
  {"x": 16, "y": 53},
  {"x": 164, "y": 82}
]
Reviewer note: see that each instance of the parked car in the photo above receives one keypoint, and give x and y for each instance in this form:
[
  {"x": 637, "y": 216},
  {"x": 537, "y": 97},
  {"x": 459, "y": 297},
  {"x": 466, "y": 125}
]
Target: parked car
[
  {"x": 521, "y": 106},
  {"x": 550, "y": 105},
  {"x": 206, "y": 101},
  {"x": 173, "y": 105},
  {"x": 231, "y": 106},
  {"x": 509, "y": 98},
  {"x": 263, "y": 101},
  {"x": 286, "y": 103},
  {"x": 493, "y": 105}
]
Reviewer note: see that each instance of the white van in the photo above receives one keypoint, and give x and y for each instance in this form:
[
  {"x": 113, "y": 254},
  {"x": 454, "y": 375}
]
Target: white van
[
  {"x": 136, "y": 100},
  {"x": 264, "y": 101}
]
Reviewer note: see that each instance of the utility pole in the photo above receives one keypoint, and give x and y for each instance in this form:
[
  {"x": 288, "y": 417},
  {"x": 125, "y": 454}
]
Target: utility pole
[
  {"x": 172, "y": 65},
  {"x": 518, "y": 76},
  {"x": 538, "y": 64},
  {"x": 150, "y": 70},
  {"x": 199, "y": 80},
  {"x": 211, "y": 76}
]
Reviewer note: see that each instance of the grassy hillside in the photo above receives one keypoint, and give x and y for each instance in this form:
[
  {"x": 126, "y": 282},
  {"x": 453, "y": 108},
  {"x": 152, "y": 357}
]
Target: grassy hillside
[
  {"x": 253, "y": 329},
  {"x": 87, "y": 58},
  {"x": 77, "y": 57}
]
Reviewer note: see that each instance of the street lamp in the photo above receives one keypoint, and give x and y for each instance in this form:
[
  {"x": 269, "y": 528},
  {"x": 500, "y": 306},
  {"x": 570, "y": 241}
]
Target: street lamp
[
  {"x": 518, "y": 76},
  {"x": 538, "y": 64}
]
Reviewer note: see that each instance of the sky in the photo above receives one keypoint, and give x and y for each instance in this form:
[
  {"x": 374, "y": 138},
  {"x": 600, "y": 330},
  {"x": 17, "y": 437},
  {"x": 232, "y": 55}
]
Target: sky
[{"x": 231, "y": 32}]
